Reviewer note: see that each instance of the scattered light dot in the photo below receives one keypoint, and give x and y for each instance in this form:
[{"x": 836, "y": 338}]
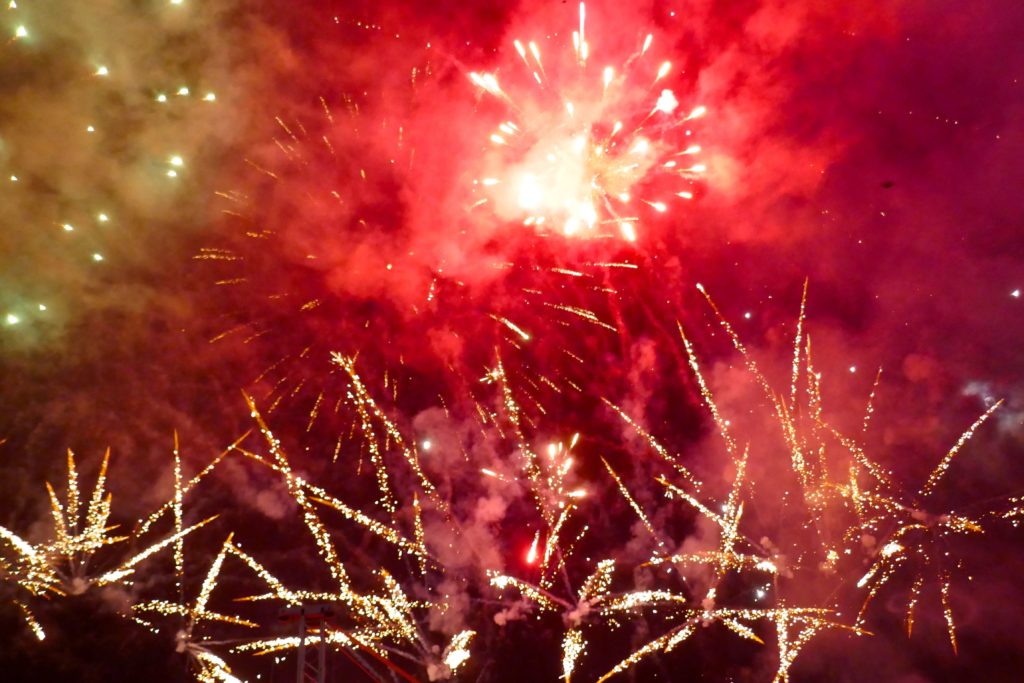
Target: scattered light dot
[
  {"x": 42, "y": 307},
  {"x": 389, "y": 266},
  {"x": 97, "y": 257},
  {"x": 853, "y": 368},
  {"x": 14, "y": 178},
  {"x": 161, "y": 97},
  {"x": 177, "y": 161},
  {"x": 102, "y": 71},
  {"x": 90, "y": 129},
  {"x": 183, "y": 90},
  {"x": 12, "y": 319},
  {"x": 748, "y": 315},
  {"x": 21, "y": 32},
  {"x": 103, "y": 218},
  {"x": 426, "y": 445},
  {"x": 1015, "y": 293},
  {"x": 210, "y": 97},
  {"x": 68, "y": 227}
]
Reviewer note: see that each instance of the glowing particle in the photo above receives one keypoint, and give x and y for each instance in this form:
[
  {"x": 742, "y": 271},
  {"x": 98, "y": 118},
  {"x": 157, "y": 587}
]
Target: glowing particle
[
  {"x": 97, "y": 257},
  {"x": 667, "y": 102},
  {"x": 172, "y": 173},
  {"x": 609, "y": 74},
  {"x": 1015, "y": 293},
  {"x": 685, "y": 195},
  {"x": 14, "y": 178},
  {"x": 42, "y": 307},
  {"x": 531, "y": 555},
  {"x": 663, "y": 70},
  {"x": 697, "y": 113},
  {"x": 12, "y": 319},
  {"x": 426, "y": 445},
  {"x": 102, "y": 218},
  {"x": 102, "y": 71},
  {"x": 748, "y": 315},
  {"x": 161, "y": 97},
  {"x": 90, "y": 129},
  {"x": 659, "y": 207},
  {"x": 68, "y": 227},
  {"x": 21, "y": 32},
  {"x": 183, "y": 90},
  {"x": 177, "y": 161},
  {"x": 853, "y": 368},
  {"x": 209, "y": 97},
  {"x": 628, "y": 231}
]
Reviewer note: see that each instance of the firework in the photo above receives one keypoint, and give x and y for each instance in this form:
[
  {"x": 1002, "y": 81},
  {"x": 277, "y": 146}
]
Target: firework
[
  {"x": 70, "y": 563},
  {"x": 578, "y": 150}
]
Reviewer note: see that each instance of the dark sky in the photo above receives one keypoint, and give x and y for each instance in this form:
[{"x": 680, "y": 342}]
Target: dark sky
[{"x": 295, "y": 178}]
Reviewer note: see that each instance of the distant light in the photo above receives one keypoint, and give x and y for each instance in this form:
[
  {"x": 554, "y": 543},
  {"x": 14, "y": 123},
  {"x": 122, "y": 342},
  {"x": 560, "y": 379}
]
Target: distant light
[
  {"x": 12, "y": 319},
  {"x": 853, "y": 368},
  {"x": 748, "y": 315},
  {"x": 14, "y": 178},
  {"x": 90, "y": 129},
  {"x": 177, "y": 2},
  {"x": 103, "y": 218},
  {"x": 68, "y": 227},
  {"x": 177, "y": 161},
  {"x": 183, "y": 90},
  {"x": 1015, "y": 293},
  {"x": 97, "y": 257},
  {"x": 172, "y": 173},
  {"x": 210, "y": 97},
  {"x": 161, "y": 97},
  {"x": 426, "y": 445},
  {"x": 21, "y": 32},
  {"x": 102, "y": 71},
  {"x": 42, "y": 307}
]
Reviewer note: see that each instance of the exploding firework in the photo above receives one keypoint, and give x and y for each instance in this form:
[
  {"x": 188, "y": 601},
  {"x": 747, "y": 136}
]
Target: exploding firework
[
  {"x": 588, "y": 152},
  {"x": 72, "y": 561}
]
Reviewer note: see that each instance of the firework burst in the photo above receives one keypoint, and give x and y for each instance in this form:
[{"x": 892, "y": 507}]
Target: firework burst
[{"x": 588, "y": 152}]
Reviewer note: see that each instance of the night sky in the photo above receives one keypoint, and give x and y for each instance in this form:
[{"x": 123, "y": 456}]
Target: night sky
[{"x": 202, "y": 202}]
